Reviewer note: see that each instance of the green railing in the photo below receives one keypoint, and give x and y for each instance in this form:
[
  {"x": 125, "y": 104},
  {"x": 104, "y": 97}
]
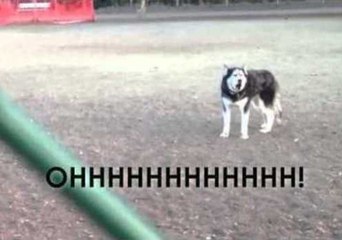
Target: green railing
[{"x": 43, "y": 152}]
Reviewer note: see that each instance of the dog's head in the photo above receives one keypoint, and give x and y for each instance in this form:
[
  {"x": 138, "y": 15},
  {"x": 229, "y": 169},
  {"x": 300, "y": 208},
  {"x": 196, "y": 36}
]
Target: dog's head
[{"x": 235, "y": 78}]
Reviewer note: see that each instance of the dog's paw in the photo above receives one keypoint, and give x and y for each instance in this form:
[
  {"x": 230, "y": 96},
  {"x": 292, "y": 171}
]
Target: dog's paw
[
  {"x": 265, "y": 130},
  {"x": 262, "y": 126},
  {"x": 244, "y": 136},
  {"x": 224, "y": 135}
]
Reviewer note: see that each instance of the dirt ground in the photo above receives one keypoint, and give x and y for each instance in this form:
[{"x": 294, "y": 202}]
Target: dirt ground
[{"x": 147, "y": 95}]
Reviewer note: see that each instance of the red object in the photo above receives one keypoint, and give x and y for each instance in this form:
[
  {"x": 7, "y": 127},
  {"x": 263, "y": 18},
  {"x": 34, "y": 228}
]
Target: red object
[{"x": 56, "y": 11}]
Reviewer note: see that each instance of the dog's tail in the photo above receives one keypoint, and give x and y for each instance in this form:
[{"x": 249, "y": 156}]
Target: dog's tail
[{"x": 277, "y": 108}]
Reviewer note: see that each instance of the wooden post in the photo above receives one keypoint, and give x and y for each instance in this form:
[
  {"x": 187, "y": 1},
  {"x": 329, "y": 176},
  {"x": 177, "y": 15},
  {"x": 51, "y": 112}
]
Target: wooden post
[{"x": 142, "y": 9}]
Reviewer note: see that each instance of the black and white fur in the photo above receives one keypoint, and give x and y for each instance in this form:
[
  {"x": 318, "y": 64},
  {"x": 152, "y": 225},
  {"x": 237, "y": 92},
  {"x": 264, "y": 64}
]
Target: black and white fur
[{"x": 242, "y": 87}]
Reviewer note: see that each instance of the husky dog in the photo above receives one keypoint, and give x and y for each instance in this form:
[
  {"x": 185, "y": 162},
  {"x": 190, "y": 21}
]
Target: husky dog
[{"x": 243, "y": 88}]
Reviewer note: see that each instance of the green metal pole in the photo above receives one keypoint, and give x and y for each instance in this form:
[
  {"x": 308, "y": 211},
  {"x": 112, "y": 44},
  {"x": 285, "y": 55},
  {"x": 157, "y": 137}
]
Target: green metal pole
[{"x": 44, "y": 152}]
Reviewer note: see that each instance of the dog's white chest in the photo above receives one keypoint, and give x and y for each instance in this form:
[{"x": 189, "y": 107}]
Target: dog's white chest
[{"x": 241, "y": 103}]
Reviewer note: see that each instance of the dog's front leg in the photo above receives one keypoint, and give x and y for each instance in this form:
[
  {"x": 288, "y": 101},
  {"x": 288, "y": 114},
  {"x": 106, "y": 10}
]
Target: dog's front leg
[
  {"x": 226, "y": 112},
  {"x": 244, "y": 121}
]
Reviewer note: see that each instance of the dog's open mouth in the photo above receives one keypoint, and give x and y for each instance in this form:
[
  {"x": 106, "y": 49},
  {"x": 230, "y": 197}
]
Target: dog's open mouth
[{"x": 238, "y": 86}]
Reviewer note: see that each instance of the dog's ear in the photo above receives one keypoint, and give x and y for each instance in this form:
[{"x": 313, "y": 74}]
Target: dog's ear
[
  {"x": 245, "y": 69},
  {"x": 225, "y": 69}
]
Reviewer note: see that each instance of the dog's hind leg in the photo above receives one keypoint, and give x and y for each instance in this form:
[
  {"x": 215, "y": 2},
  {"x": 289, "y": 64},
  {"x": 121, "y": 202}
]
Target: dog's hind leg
[
  {"x": 278, "y": 109},
  {"x": 260, "y": 106},
  {"x": 270, "y": 116},
  {"x": 264, "y": 121}
]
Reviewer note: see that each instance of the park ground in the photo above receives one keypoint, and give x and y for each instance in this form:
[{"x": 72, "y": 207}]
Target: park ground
[{"x": 147, "y": 94}]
